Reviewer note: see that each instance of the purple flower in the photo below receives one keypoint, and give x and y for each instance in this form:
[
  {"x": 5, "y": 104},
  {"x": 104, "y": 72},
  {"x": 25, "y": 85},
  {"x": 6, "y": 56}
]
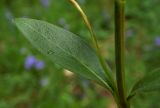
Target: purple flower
[
  {"x": 32, "y": 62},
  {"x": 45, "y": 3},
  {"x": 44, "y": 82},
  {"x": 157, "y": 41},
  {"x": 29, "y": 62},
  {"x": 39, "y": 65}
]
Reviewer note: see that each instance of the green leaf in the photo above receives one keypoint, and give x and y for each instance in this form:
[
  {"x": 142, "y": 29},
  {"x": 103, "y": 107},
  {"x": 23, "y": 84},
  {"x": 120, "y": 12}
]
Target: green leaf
[
  {"x": 64, "y": 48},
  {"x": 148, "y": 83}
]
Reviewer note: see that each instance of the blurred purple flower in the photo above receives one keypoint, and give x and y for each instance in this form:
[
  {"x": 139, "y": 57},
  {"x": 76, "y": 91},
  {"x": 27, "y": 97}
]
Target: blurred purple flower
[
  {"x": 39, "y": 65},
  {"x": 29, "y": 62},
  {"x": 32, "y": 62},
  {"x": 63, "y": 23},
  {"x": 157, "y": 41},
  {"x": 44, "y": 82},
  {"x": 45, "y": 3},
  {"x": 129, "y": 33}
]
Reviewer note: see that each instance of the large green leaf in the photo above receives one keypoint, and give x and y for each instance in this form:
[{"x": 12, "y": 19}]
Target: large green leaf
[
  {"x": 150, "y": 82},
  {"x": 64, "y": 48}
]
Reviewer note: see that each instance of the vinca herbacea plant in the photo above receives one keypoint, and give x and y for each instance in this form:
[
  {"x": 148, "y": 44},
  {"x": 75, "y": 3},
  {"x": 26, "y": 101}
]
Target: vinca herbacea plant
[{"x": 73, "y": 53}]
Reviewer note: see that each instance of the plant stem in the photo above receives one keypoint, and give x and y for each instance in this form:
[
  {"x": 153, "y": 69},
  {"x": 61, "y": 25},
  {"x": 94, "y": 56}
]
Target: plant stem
[
  {"x": 119, "y": 51},
  {"x": 95, "y": 43}
]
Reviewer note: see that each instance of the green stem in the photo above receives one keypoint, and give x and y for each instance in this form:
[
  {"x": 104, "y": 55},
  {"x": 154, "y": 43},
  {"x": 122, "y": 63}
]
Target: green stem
[
  {"x": 119, "y": 50},
  {"x": 95, "y": 43}
]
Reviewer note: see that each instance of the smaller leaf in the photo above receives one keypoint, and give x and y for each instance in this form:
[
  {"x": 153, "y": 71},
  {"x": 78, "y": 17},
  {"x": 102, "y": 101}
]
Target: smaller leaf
[{"x": 148, "y": 83}]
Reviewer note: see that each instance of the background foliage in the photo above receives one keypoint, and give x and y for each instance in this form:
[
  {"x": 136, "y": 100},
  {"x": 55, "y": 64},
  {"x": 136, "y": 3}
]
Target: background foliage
[{"x": 29, "y": 80}]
